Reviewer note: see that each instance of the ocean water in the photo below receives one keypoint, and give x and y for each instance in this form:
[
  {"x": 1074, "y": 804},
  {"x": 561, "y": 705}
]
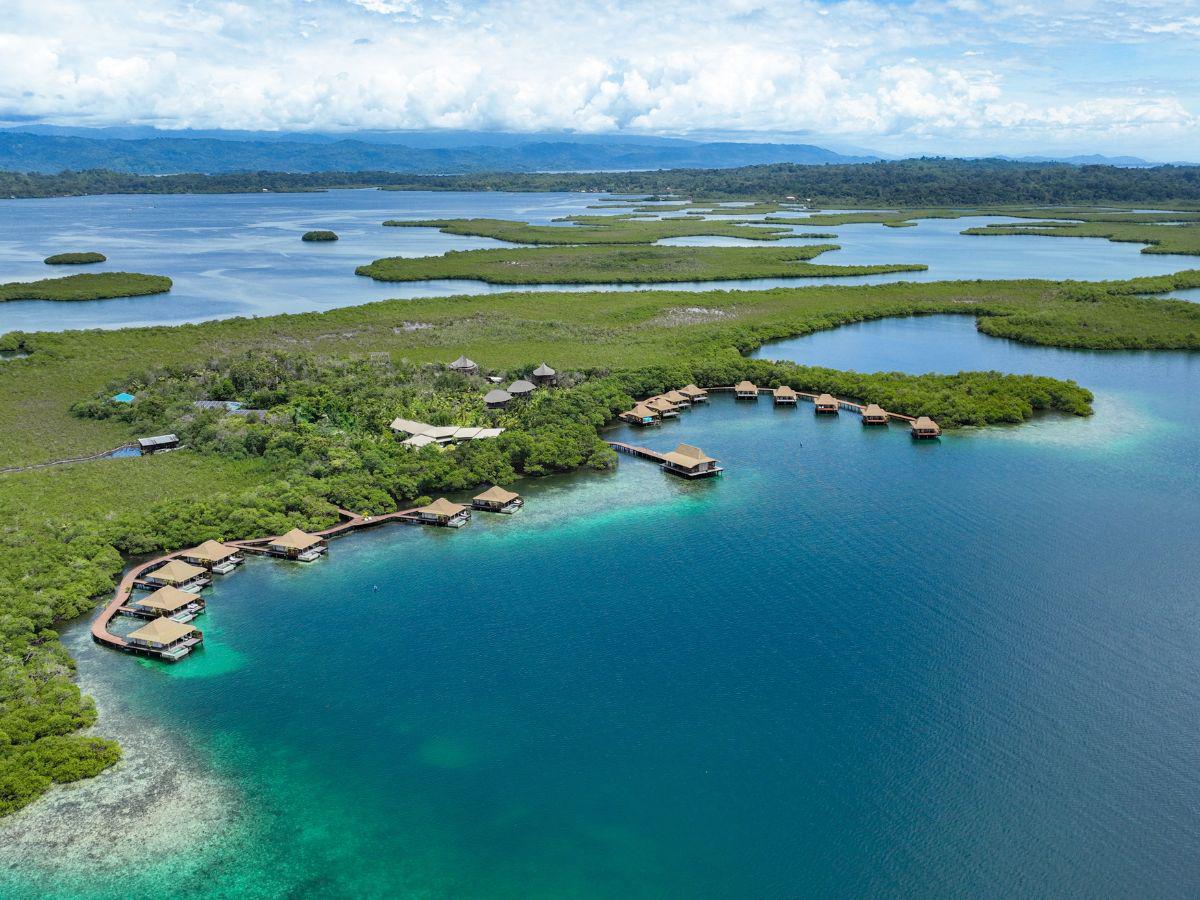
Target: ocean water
[
  {"x": 241, "y": 254},
  {"x": 854, "y": 665}
]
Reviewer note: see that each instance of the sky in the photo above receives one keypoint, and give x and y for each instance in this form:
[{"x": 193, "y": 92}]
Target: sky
[{"x": 951, "y": 77}]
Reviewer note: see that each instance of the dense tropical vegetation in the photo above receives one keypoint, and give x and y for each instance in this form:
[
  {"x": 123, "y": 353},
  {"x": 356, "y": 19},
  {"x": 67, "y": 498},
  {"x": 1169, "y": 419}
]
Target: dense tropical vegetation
[
  {"x": 916, "y": 182},
  {"x": 600, "y": 264},
  {"x": 95, "y": 286},
  {"x": 319, "y": 236},
  {"x": 74, "y": 259}
]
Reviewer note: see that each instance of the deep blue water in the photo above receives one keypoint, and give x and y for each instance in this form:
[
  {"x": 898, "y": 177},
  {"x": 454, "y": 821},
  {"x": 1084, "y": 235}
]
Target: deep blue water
[
  {"x": 854, "y": 665},
  {"x": 241, "y": 254}
]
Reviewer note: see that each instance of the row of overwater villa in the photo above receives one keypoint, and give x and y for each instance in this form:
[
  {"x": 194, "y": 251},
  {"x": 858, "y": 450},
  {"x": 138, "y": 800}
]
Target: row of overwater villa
[
  {"x": 654, "y": 410},
  {"x": 166, "y": 593}
]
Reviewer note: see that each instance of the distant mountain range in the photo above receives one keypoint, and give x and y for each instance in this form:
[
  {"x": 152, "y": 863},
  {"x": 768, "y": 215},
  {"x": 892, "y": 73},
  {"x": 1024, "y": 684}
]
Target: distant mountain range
[
  {"x": 143, "y": 150},
  {"x": 50, "y": 151}
]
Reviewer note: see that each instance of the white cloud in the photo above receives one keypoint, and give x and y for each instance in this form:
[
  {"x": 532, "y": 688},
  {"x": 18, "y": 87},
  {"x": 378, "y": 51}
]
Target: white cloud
[{"x": 934, "y": 71}]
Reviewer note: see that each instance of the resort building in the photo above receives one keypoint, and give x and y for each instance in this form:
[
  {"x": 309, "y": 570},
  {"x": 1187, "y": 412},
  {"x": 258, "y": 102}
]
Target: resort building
[
  {"x": 497, "y": 399},
  {"x": 874, "y": 414},
  {"x": 690, "y": 462},
  {"x": 464, "y": 366},
  {"x": 297, "y": 544},
  {"x": 640, "y": 415},
  {"x": 784, "y": 396},
  {"x": 825, "y": 405},
  {"x": 420, "y": 434},
  {"x": 171, "y": 602},
  {"x": 663, "y": 407},
  {"x": 224, "y": 405},
  {"x": 179, "y": 574},
  {"x": 442, "y": 512},
  {"x": 744, "y": 390},
  {"x": 677, "y": 398},
  {"x": 157, "y": 444},
  {"x": 544, "y": 376},
  {"x": 497, "y": 499},
  {"x": 522, "y": 388},
  {"x": 214, "y": 556},
  {"x": 925, "y": 429},
  {"x": 166, "y": 639},
  {"x": 694, "y": 394}
]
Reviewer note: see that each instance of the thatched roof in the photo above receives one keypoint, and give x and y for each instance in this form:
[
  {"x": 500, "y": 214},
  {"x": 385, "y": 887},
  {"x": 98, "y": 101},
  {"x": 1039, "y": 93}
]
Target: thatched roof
[
  {"x": 463, "y": 363},
  {"x": 442, "y": 507},
  {"x": 521, "y": 386},
  {"x": 496, "y": 395},
  {"x": 675, "y": 397},
  {"x": 874, "y": 411},
  {"x": 297, "y": 540},
  {"x": 176, "y": 571},
  {"x": 496, "y": 494},
  {"x": 924, "y": 423},
  {"x": 826, "y": 400},
  {"x": 544, "y": 371},
  {"x": 661, "y": 404},
  {"x": 692, "y": 391},
  {"x": 642, "y": 411},
  {"x": 784, "y": 391},
  {"x": 409, "y": 426},
  {"x": 162, "y": 631},
  {"x": 168, "y": 599},
  {"x": 687, "y": 456},
  {"x": 744, "y": 386},
  {"x": 210, "y": 551}
]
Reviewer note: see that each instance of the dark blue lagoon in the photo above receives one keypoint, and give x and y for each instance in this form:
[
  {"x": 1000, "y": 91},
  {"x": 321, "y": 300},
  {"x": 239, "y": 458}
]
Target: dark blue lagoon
[
  {"x": 854, "y": 665},
  {"x": 241, "y": 254}
]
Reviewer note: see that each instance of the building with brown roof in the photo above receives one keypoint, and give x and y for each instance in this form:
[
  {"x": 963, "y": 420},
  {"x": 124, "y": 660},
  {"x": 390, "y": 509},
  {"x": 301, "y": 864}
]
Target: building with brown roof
[
  {"x": 179, "y": 574},
  {"x": 165, "y": 638},
  {"x": 497, "y": 499},
  {"x": 690, "y": 462},
  {"x": 925, "y": 429},
  {"x": 214, "y": 556},
  {"x": 694, "y": 394},
  {"x": 825, "y": 405},
  {"x": 641, "y": 415},
  {"x": 874, "y": 414},
  {"x": 745, "y": 390},
  {"x": 442, "y": 512},
  {"x": 297, "y": 544},
  {"x": 784, "y": 396}
]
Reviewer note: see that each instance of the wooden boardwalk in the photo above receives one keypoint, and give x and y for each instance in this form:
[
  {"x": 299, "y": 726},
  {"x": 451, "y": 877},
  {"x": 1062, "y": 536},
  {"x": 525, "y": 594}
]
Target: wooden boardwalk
[
  {"x": 351, "y": 521},
  {"x": 634, "y": 450}
]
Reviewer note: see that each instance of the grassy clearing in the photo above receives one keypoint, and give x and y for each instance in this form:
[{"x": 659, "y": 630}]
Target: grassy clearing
[
  {"x": 596, "y": 230},
  {"x": 74, "y": 259},
  {"x": 98, "y": 286},
  {"x": 618, "y": 265}
]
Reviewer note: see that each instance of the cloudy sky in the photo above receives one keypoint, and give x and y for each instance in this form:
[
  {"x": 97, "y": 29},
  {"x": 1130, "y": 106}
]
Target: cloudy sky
[{"x": 900, "y": 76}]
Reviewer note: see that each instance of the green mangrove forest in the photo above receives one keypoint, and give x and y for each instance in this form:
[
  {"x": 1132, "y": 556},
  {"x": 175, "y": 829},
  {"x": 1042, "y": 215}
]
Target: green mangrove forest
[
  {"x": 75, "y": 259},
  {"x": 94, "y": 286}
]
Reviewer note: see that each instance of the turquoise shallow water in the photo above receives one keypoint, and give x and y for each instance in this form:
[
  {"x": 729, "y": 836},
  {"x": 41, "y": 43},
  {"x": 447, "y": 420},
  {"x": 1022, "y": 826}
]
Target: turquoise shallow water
[{"x": 852, "y": 666}]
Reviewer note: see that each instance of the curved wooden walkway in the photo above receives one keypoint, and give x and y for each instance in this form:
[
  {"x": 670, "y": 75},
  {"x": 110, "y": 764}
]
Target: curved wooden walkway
[{"x": 351, "y": 521}]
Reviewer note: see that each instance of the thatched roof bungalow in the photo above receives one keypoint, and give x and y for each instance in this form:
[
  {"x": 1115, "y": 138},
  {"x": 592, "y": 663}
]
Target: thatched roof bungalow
[
  {"x": 745, "y": 390},
  {"x": 497, "y": 499},
  {"x": 694, "y": 394},
  {"x": 443, "y": 512},
  {"x": 297, "y": 544},
  {"x": 874, "y": 414},
  {"x": 825, "y": 405},
  {"x": 925, "y": 429},
  {"x": 784, "y": 395},
  {"x": 690, "y": 462}
]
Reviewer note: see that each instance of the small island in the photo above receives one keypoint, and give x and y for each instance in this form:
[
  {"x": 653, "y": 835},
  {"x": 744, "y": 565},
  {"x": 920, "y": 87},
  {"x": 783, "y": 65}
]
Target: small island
[
  {"x": 98, "y": 286},
  {"x": 75, "y": 259},
  {"x": 319, "y": 236}
]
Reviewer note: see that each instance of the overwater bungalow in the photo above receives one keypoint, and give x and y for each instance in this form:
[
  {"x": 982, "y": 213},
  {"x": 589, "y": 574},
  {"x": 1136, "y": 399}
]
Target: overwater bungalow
[
  {"x": 497, "y": 398},
  {"x": 641, "y": 415},
  {"x": 442, "y": 512},
  {"x": 825, "y": 405},
  {"x": 663, "y": 407},
  {"x": 874, "y": 414},
  {"x": 744, "y": 390},
  {"x": 784, "y": 396},
  {"x": 544, "y": 376},
  {"x": 464, "y": 366},
  {"x": 179, "y": 574},
  {"x": 677, "y": 398},
  {"x": 522, "y": 388},
  {"x": 690, "y": 462},
  {"x": 214, "y": 556},
  {"x": 165, "y": 638},
  {"x": 925, "y": 429},
  {"x": 297, "y": 544},
  {"x": 158, "y": 443},
  {"x": 171, "y": 602},
  {"x": 497, "y": 499},
  {"x": 694, "y": 394}
]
